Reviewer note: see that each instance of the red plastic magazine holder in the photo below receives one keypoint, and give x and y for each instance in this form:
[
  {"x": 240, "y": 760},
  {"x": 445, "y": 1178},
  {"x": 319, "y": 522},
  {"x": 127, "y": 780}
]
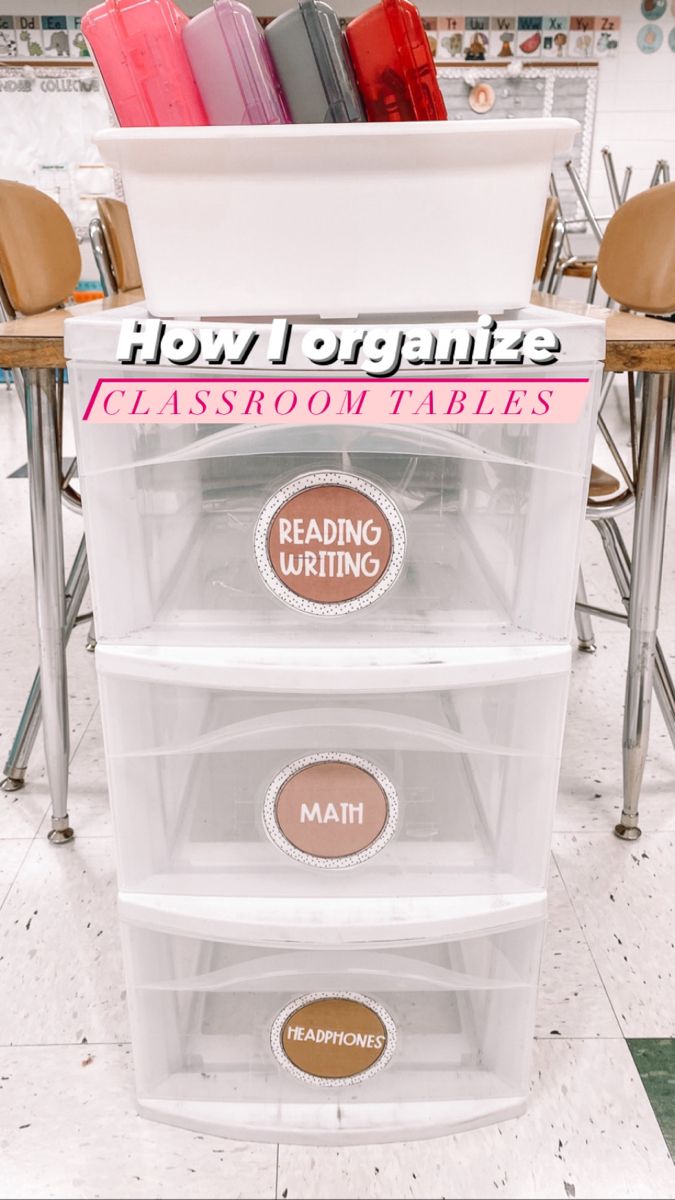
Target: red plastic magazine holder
[
  {"x": 393, "y": 63},
  {"x": 138, "y": 48}
]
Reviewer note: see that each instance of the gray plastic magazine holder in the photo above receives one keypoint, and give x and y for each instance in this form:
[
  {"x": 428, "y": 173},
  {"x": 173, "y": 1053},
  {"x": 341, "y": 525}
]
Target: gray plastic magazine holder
[{"x": 312, "y": 61}]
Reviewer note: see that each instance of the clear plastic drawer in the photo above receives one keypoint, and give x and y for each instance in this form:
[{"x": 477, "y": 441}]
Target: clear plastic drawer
[
  {"x": 331, "y": 1043},
  {"x": 464, "y": 535},
  {"x": 316, "y": 776}
]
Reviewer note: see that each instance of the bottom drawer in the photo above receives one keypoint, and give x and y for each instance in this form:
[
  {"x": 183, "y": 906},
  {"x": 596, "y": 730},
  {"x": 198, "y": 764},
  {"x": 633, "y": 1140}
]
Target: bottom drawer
[{"x": 332, "y": 1044}]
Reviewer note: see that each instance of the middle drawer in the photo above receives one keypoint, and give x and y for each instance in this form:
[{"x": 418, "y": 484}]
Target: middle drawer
[{"x": 312, "y": 775}]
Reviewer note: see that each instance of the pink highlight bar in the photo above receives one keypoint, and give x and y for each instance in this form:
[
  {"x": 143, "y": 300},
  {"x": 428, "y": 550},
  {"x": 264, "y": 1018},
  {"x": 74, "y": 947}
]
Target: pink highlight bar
[{"x": 336, "y": 400}]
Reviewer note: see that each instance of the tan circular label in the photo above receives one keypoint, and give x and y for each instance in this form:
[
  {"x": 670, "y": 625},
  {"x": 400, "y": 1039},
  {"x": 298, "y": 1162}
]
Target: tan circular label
[
  {"x": 331, "y": 810},
  {"x": 330, "y": 543},
  {"x": 333, "y": 1039}
]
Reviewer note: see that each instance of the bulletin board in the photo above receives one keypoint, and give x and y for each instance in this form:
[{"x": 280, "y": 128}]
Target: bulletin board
[
  {"x": 534, "y": 91},
  {"x": 49, "y": 116}
]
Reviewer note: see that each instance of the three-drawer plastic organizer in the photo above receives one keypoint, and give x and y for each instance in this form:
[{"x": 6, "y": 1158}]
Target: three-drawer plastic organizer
[{"x": 332, "y": 787}]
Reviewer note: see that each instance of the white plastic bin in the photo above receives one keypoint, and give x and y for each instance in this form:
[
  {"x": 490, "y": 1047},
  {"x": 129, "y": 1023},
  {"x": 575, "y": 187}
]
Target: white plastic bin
[
  {"x": 455, "y": 1013},
  {"x": 310, "y": 775},
  {"x": 337, "y": 220}
]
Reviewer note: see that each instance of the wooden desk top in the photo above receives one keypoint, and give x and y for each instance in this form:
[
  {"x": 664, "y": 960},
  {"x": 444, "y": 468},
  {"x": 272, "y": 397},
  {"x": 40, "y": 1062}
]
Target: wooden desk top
[
  {"x": 633, "y": 343},
  {"x": 38, "y": 341}
]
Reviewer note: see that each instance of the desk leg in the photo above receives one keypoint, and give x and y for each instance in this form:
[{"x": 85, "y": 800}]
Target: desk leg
[
  {"x": 651, "y": 500},
  {"x": 44, "y": 483}
]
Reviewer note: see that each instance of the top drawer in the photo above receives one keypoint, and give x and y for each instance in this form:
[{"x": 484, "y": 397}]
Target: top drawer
[{"x": 235, "y": 535}]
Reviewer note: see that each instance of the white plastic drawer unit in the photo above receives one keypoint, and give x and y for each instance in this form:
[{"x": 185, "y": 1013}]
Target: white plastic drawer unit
[
  {"x": 334, "y": 534},
  {"x": 299, "y": 1037},
  {"x": 326, "y": 775}
]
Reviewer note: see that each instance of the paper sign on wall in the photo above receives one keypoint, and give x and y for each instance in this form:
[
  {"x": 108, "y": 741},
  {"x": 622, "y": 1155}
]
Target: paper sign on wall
[
  {"x": 549, "y": 36},
  {"x": 41, "y": 38}
]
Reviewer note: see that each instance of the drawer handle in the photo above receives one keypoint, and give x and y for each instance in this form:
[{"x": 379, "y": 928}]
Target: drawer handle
[
  {"x": 392, "y": 972},
  {"x": 244, "y": 440},
  {"x": 280, "y": 733}
]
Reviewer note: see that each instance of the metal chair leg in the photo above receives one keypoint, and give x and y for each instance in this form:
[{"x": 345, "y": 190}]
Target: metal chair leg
[
  {"x": 584, "y": 624},
  {"x": 27, "y": 730}
]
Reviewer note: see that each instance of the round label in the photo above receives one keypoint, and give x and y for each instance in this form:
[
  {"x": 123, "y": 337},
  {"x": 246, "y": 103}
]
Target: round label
[
  {"x": 330, "y": 543},
  {"x": 653, "y": 10},
  {"x": 331, "y": 810},
  {"x": 649, "y": 38},
  {"x": 482, "y": 98},
  {"x": 333, "y": 1039}
]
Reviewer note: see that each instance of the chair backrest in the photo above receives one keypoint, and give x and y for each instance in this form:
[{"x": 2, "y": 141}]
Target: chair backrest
[
  {"x": 114, "y": 216},
  {"x": 548, "y": 225},
  {"x": 40, "y": 262},
  {"x": 636, "y": 261}
]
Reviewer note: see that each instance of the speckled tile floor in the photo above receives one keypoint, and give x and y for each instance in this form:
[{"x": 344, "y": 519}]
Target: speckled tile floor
[{"x": 602, "y": 1112}]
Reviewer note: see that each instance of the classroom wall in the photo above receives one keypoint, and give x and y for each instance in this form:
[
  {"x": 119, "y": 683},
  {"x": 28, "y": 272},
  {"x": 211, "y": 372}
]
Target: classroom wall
[{"x": 636, "y": 97}]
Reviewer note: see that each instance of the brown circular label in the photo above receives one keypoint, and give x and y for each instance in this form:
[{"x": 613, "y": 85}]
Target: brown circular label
[
  {"x": 333, "y": 1039},
  {"x": 330, "y": 542},
  {"x": 331, "y": 809}
]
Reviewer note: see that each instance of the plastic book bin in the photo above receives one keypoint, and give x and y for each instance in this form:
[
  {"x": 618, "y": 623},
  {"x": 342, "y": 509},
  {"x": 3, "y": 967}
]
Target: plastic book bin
[
  {"x": 394, "y": 65},
  {"x": 138, "y": 48},
  {"x": 311, "y": 57},
  {"x": 232, "y": 66},
  {"x": 374, "y": 218}
]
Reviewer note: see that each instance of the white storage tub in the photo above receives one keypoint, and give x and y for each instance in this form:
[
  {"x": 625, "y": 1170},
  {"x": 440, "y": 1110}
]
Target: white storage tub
[
  {"x": 215, "y": 1050},
  {"x": 337, "y": 220},
  {"x": 316, "y": 775}
]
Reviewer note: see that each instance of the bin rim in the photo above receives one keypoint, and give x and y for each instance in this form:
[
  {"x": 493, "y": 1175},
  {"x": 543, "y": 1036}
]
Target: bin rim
[{"x": 565, "y": 127}]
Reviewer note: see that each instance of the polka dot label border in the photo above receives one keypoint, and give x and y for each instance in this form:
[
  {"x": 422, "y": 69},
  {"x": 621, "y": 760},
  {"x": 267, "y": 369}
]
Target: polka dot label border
[
  {"x": 277, "y": 1032},
  {"x": 279, "y": 839}
]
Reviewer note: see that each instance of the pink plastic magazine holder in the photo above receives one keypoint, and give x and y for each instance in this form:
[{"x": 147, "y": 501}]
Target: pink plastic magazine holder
[
  {"x": 233, "y": 68},
  {"x": 138, "y": 48}
]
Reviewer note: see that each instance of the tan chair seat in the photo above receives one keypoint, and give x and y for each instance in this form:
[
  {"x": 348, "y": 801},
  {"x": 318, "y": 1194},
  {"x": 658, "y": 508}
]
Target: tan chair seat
[
  {"x": 602, "y": 484},
  {"x": 581, "y": 268}
]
